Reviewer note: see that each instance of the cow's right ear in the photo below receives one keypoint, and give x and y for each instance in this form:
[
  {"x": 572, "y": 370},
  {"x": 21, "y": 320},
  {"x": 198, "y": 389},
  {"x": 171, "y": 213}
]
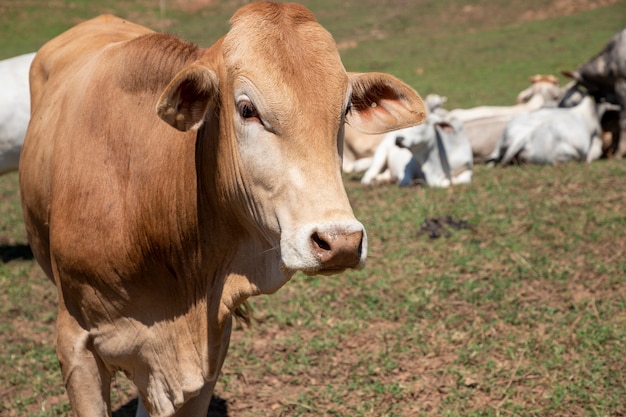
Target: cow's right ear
[
  {"x": 188, "y": 97},
  {"x": 381, "y": 103}
]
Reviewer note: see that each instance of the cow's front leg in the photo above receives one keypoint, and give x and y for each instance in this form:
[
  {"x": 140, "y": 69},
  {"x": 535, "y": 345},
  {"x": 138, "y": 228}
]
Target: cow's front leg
[
  {"x": 620, "y": 89},
  {"x": 158, "y": 403},
  {"x": 87, "y": 380}
]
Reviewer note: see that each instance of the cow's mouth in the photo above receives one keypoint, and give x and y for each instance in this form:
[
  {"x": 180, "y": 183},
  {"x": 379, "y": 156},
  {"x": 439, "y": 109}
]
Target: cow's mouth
[{"x": 325, "y": 272}]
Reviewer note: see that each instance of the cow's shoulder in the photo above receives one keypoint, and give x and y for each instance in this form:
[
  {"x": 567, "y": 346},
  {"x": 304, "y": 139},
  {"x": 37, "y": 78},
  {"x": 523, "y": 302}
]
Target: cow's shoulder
[
  {"x": 91, "y": 35},
  {"x": 60, "y": 57}
]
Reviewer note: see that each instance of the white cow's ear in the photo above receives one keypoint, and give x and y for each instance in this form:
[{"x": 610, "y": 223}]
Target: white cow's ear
[
  {"x": 381, "y": 103},
  {"x": 445, "y": 127},
  {"x": 188, "y": 97}
]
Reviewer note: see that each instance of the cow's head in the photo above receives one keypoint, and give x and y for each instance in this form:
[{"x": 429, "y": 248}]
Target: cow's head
[
  {"x": 546, "y": 86},
  {"x": 277, "y": 89},
  {"x": 601, "y": 88},
  {"x": 420, "y": 140}
]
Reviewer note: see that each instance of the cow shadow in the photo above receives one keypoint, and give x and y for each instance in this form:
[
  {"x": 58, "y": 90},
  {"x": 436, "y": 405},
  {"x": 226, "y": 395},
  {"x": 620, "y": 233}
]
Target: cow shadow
[
  {"x": 218, "y": 408},
  {"x": 13, "y": 252}
]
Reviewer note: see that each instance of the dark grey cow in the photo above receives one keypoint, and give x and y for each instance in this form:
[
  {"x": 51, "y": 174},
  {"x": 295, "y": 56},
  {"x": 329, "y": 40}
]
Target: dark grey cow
[{"x": 604, "y": 76}]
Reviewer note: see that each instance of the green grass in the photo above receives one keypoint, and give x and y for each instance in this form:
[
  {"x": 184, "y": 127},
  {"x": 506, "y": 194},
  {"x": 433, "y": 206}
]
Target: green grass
[{"x": 523, "y": 313}]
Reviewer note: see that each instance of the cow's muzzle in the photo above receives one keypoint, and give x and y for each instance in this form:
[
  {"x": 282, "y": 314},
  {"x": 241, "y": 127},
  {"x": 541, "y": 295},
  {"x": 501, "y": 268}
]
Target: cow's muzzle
[{"x": 337, "y": 251}]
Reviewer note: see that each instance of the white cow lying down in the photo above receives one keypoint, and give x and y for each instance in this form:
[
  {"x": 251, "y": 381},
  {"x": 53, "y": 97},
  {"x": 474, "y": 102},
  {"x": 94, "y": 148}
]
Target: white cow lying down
[
  {"x": 436, "y": 153},
  {"x": 14, "y": 109},
  {"x": 552, "y": 136},
  {"x": 543, "y": 89},
  {"x": 484, "y": 124}
]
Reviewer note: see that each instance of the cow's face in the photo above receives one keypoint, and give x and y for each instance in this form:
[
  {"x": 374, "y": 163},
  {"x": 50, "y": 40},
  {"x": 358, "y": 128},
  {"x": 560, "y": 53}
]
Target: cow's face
[
  {"x": 289, "y": 97},
  {"x": 543, "y": 86},
  {"x": 283, "y": 98},
  {"x": 600, "y": 85},
  {"x": 419, "y": 139}
]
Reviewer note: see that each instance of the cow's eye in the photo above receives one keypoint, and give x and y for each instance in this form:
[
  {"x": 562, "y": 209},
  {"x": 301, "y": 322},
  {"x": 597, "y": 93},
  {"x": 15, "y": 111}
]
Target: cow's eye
[{"x": 247, "y": 110}]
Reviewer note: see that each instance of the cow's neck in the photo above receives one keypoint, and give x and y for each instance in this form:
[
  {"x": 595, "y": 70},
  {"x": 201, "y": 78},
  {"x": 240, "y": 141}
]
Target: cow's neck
[
  {"x": 250, "y": 267},
  {"x": 587, "y": 112},
  {"x": 226, "y": 235}
]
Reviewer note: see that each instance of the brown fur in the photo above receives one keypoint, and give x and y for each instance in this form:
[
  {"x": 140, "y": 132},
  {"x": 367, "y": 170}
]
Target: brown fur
[{"x": 152, "y": 61}]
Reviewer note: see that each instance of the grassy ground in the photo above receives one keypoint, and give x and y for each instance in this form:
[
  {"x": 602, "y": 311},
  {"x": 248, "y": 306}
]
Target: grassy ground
[{"x": 519, "y": 310}]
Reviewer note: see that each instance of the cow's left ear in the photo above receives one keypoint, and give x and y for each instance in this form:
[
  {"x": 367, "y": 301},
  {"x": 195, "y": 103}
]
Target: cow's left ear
[
  {"x": 188, "y": 97},
  {"x": 382, "y": 103}
]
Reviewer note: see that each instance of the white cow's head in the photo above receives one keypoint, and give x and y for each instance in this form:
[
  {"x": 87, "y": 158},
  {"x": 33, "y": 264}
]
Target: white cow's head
[
  {"x": 421, "y": 139},
  {"x": 544, "y": 86}
]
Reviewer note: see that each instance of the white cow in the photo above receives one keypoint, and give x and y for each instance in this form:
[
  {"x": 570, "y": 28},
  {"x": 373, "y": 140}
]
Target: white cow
[
  {"x": 552, "y": 136},
  {"x": 484, "y": 124},
  {"x": 543, "y": 89},
  {"x": 14, "y": 109},
  {"x": 436, "y": 153}
]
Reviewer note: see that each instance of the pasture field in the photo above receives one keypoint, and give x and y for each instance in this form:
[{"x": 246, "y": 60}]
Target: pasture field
[{"x": 518, "y": 308}]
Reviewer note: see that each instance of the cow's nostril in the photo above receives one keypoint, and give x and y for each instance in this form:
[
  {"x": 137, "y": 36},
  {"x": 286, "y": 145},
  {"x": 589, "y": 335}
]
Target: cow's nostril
[{"x": 319, "y": 242}]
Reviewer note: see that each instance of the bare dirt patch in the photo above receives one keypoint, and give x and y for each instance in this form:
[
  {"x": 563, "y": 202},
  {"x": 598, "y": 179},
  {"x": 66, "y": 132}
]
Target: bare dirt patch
[
  {"x": 521, "y": 12},
  {"x": 563, "y": 8}
]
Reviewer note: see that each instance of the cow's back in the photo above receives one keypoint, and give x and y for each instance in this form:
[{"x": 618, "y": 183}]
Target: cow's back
[
  {"x": 76, "y": 44},
  {"x": 14, "y": 109}
]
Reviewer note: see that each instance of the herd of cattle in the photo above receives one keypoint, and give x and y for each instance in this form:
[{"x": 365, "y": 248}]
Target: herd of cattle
[
  {"x": 163, "y": 184},
  {"x": 581, "y": 121}
]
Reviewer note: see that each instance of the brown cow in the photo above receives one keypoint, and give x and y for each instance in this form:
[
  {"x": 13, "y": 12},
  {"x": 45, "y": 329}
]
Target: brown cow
[{"x": 155, "y": 235}]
